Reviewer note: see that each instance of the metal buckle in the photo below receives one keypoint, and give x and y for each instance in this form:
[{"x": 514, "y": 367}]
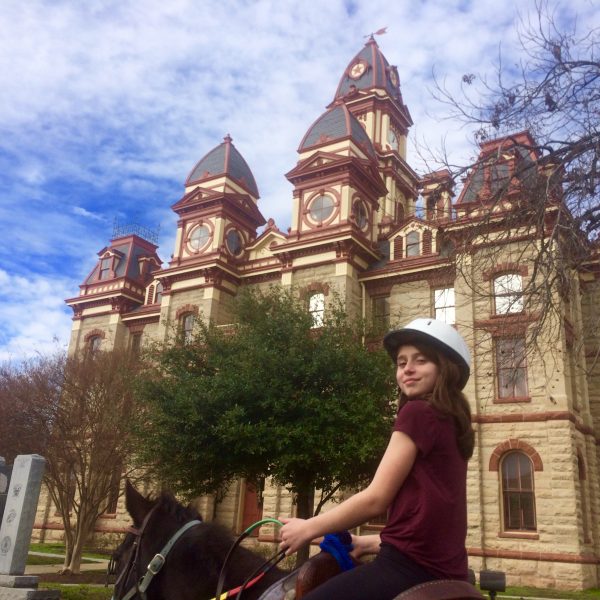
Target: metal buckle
[{"x": 156, "y": 564}]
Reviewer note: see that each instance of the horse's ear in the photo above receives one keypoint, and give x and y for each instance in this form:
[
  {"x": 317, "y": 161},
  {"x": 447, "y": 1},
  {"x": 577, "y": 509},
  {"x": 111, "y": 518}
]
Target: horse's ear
[{"x": 137, "y": 505}]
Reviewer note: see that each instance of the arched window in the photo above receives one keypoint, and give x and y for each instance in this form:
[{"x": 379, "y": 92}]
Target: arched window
[
  {"x": 187, "y": 326},
  {"x": 158, "y": 292},
  {"x": 508, "y": 296},
  {"x": 316, "y": 307},
  {"x": 94, "y": 343},
  {"x": 518, "y": 495},
  {"x": 413, "y": 243}
]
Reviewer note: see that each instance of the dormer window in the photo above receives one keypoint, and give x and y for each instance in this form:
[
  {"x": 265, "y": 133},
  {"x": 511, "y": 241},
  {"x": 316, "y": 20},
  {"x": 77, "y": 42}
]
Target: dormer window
[
  {"x": 105, "y": 267},
  {"x": 413, "y": 244}
]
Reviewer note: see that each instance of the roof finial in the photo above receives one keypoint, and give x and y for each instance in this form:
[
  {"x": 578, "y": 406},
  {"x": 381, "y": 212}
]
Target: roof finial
[
  {"x": 227, "y": 139},
  {"x": 371, "y": 36}
]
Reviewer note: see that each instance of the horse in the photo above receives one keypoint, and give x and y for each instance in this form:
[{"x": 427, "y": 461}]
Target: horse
[
  {"x": 194, "y": 560},
  {"x": 170, "y": 553}
]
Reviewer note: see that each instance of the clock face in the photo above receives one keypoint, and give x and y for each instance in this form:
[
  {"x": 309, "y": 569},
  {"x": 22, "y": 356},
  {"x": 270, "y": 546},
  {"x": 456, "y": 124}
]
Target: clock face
[
  {"x": 392, "y": 139},
  {"x": 394, "y": 77},
  {"x": 357, "y": 70}
]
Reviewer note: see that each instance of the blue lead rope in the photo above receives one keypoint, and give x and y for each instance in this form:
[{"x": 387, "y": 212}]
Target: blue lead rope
[{"x": 339, "y": 545}]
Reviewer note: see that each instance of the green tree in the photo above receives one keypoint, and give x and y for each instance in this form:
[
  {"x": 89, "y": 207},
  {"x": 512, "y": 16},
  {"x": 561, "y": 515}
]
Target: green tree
[{"x": 271, "y": 396}]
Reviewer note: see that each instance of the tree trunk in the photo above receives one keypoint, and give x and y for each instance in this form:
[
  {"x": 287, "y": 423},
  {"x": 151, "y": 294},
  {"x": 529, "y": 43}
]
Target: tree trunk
[{"x": 304, "y": 504}]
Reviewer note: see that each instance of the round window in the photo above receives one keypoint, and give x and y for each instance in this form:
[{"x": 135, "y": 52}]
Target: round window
[
  {"x": 234, "y": 242},
  {"x": 321, "y": 208},
  {"x": 199, "y": 237},
  {"x": 360, "y": 213}
]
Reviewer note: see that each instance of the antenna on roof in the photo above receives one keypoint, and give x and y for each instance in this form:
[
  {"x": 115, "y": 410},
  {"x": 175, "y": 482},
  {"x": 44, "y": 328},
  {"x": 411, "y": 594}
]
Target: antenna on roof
[{"x": 123, "y": 229}]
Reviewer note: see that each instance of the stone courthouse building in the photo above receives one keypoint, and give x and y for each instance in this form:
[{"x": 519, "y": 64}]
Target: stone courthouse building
[{"x": 393, "y": 246}]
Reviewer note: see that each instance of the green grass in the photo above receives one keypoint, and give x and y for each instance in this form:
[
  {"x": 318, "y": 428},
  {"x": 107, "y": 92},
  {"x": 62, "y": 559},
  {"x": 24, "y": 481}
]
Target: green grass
[
  {"x": 80, "y": 592},
  {"x": 58, "y": 548},
  {"x": 52, "y": 560}
]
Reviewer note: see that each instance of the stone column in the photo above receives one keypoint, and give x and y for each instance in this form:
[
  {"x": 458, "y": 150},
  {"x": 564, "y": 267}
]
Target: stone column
[{"x": 15, "y": 532}]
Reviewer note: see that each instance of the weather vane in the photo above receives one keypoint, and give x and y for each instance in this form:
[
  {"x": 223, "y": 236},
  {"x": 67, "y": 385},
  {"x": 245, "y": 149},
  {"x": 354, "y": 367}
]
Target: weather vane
[{"x": 378, "y": 32}]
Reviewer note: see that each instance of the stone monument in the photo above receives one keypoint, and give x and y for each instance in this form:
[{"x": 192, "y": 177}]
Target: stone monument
[{"x": 15, "y": 532}]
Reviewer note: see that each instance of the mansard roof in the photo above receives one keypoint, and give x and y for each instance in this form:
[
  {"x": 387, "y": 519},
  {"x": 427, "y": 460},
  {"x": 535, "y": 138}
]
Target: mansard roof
[
  {"x": 335, "y": 124},
  {"x": 226, "y": 160},
  {"x": 375, "y": 72}
]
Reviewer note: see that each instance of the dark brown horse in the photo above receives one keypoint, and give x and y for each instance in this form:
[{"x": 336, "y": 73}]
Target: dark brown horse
[
  {"x": 193, "y": 563},
  {"x": 171, "y": 554}
]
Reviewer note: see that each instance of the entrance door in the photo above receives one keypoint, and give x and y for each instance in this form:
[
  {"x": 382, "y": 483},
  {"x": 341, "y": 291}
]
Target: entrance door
[{"x": 252, "y": 507}]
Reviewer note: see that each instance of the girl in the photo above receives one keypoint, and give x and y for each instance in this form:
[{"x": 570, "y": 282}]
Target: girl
[{"x": 420, "y": 481}]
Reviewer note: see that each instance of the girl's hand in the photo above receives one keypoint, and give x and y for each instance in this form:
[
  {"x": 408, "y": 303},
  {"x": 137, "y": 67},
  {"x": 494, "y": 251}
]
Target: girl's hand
[
  {"x": 294, "y": 534},
  {"x": 365, "y": 544}
]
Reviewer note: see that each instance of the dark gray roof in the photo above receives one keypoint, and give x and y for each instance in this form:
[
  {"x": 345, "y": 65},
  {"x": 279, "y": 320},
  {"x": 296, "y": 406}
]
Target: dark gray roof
[
  {"x": 335, "y": 124},
  {"x": 225, "y": 159}
]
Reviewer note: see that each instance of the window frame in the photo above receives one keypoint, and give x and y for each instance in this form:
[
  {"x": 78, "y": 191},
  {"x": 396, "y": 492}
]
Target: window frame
[
  {"x": 187, "y": 323},
  {"x": 509, "y": 370},
  {"x": 520, "y": 492},
  {"x": 413, "y": 248},
  {"x": 443, "y": 307},
  {"x": 316, "y": 308},
  {"x": 508, "y": 300}
]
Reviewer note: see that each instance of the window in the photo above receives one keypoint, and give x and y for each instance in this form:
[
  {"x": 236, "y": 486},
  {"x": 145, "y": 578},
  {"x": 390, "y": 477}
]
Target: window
[
  {"x": 234, "y": 242},
  {"x": 444, "y": 306},
  {"x": 199, "y": 237},
  {"x": 158, "y": 293},
  {"x": 413, "y": 243},
  {"x": 112, "y": 500},
  {"x": 511, "y": 368},
  {"x": 381, "y": 313},
  {"x": 360, "y": 213},
  {"x": 187, "y": 326},
  {"x": 321, "y": 208},
  {"x": 94, "y": 343},
  {"x": 316, "y": 307},
  {"x": 518, "y": 498},
  {"x": 136, "y": 343},
  {"x": 105, "y": 265},
  {"x": 508, "y": 293}
]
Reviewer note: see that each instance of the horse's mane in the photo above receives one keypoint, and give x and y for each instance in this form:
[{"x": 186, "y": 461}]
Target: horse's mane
[{"x": 167, "y": 503}]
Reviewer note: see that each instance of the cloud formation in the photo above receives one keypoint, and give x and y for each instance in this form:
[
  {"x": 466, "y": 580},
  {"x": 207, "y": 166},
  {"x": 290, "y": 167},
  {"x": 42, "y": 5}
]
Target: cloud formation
[{"x": 106, "y": 106}]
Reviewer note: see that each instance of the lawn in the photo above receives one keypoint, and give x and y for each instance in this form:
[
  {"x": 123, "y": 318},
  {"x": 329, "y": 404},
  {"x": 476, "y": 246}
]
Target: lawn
[
  {"x": 80, "y": 592},
  {"x": 59, "y": 548}
]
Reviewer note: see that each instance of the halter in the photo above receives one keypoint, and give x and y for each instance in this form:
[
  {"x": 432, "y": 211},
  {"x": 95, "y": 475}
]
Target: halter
[{"x": 157, "y": 562}]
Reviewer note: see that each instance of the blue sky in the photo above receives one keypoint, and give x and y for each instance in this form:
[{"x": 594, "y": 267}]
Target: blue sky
[{"x": 107, "y": 105}]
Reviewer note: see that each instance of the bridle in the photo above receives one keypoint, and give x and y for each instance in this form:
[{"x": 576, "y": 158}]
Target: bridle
[
  {"x": 158, "y": 561},
  {"x": 155, "y": 565}
]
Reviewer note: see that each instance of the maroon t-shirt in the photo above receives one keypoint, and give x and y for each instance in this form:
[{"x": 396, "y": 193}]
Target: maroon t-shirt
[{"x": 427, "y": 519}]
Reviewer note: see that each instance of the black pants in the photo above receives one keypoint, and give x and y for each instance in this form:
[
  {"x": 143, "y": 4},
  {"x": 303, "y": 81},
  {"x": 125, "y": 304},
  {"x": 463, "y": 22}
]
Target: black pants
[{"x": 382, "y": 579}]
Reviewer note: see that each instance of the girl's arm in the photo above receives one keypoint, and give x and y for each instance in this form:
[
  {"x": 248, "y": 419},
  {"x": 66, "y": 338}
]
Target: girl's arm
[{"x": 370, "y": 502}]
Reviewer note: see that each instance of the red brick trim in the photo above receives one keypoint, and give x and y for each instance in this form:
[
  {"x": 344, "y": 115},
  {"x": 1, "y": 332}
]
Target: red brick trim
[
  {"x": 315, "y": 287},
  {"x": 93, "y": 333},
  {"x": 563, "y": 557},
  {"x": 558, "y": 415},
  {"x": 501, "y": 268},
  {"x": 185, "y": 309},
  {"x": 515, "y": 444}
]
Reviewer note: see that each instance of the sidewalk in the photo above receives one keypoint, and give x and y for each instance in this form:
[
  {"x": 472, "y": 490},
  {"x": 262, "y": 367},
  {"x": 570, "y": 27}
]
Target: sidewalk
[{"x": 96, "y": 564}]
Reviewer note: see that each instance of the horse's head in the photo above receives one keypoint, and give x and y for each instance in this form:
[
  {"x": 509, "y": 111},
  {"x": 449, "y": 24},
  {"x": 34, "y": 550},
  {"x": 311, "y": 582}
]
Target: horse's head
[{"x": 154, "y": 524}]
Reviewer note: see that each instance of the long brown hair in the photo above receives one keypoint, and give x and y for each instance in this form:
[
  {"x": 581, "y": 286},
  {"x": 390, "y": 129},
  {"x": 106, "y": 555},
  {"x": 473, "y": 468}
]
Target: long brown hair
[{"x": 447, "y": 397}]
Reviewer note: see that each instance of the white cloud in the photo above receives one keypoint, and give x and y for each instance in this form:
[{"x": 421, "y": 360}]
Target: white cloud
[{"x": 106, "y": 106}]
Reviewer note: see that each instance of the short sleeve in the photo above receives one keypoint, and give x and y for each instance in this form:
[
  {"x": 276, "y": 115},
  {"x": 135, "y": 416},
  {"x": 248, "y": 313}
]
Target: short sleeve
[{"x": 418, "y": 420}]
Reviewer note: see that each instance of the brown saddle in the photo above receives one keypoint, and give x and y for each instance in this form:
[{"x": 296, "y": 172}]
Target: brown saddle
[{"x": 323, "y": 566}]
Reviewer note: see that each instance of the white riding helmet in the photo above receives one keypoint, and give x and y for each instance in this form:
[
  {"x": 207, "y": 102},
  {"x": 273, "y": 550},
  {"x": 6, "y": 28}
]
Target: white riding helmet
[{"x": 438, "y": 334}]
